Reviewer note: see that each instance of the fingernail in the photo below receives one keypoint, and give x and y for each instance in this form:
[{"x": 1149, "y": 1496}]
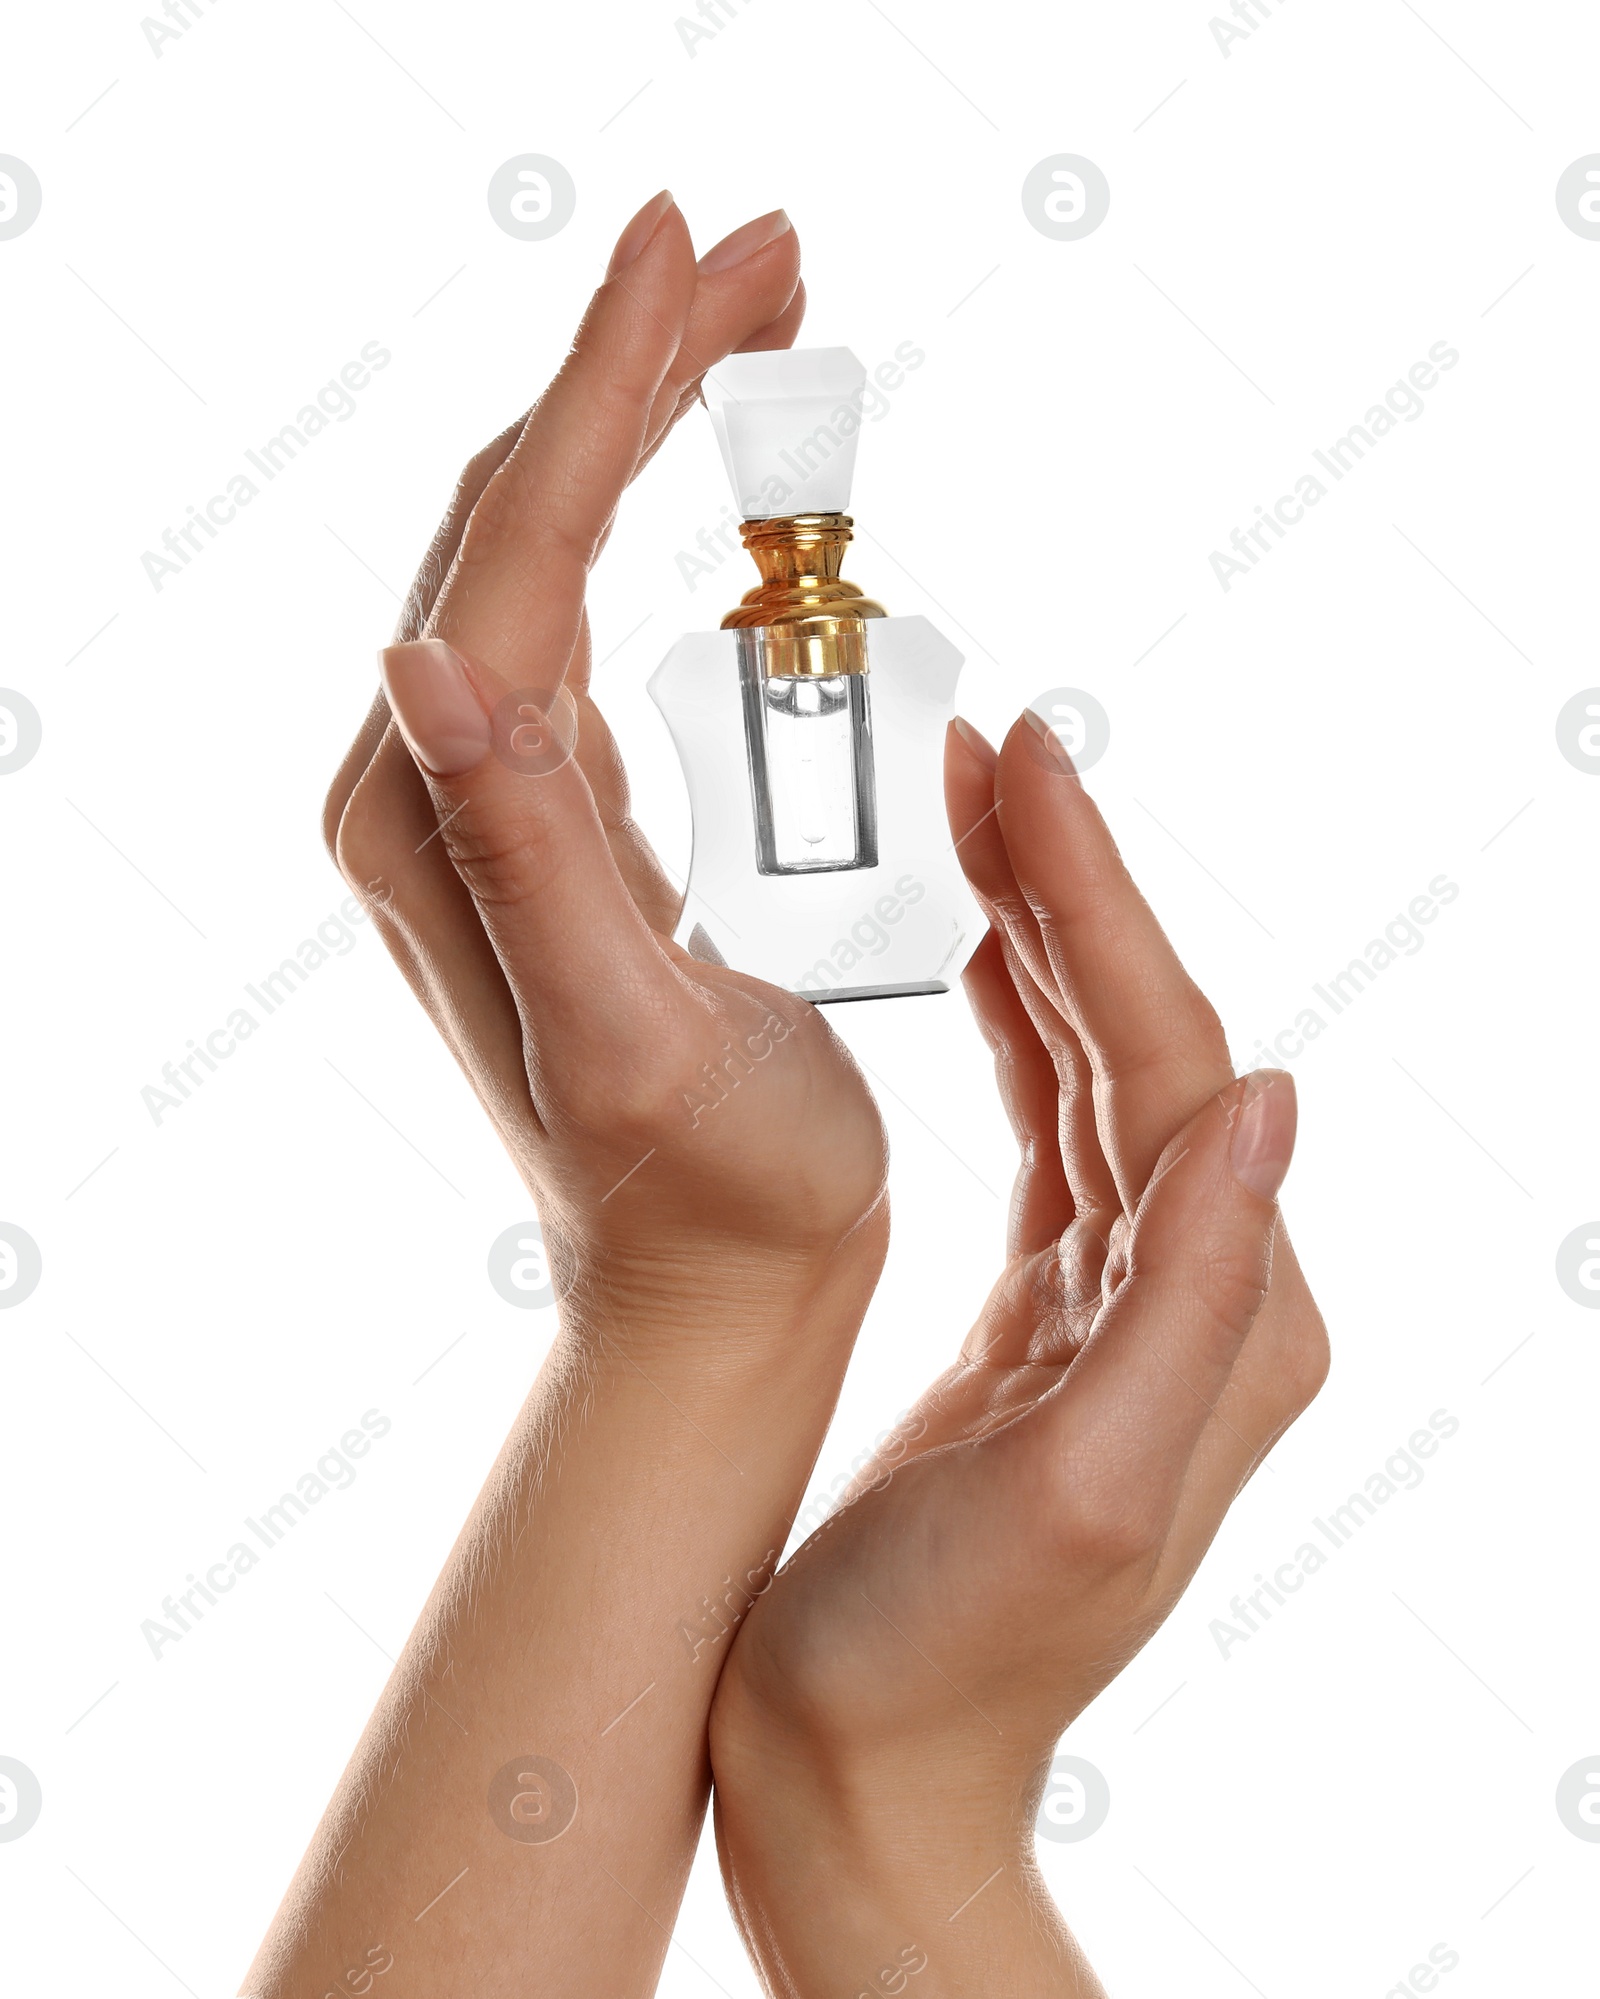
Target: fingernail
[
  {"x": 434, "y": 706},
  {"x": 745, "y": 241},
  {"x": 1263, "y": 1132},
  {"x": 980, "y": 748},
  {"x": 1049, "y": 747},
  {"x": 638, "y": 232}
]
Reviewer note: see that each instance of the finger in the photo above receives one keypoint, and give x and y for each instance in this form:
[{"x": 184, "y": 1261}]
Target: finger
[
  {"x": 539, "y": 511},
  {"x": 514, "y": 596},
  {"x": 779, "y": 332},
  {"x": 519, "y": 823},
  {"x": 388, "y": 849},
  {"x": 480, "y": 468},
  {"x": 1275, "y": 1380},
  {"x": 600, "y": 760},
  {"x": 1148, "y": 1385},
  {"x": 1025, "y": 1074},
  {"x": 425, "y": 585},
  {"x": 745, "y": 289},
  {"x": 973, "y": 806},
  {"x": 747, "y": 295},
  {"x": 354, "y": 763},
  {"x": 1155, "y": 1043}
]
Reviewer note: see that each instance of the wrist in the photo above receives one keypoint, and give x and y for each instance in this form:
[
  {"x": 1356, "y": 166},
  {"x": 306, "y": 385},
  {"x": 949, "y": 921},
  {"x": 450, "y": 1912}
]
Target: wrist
[
  {"x": 851, "y": 1894},
  {"x": 686, "y": 1295},
  {"x": 858, "y": 1872}
]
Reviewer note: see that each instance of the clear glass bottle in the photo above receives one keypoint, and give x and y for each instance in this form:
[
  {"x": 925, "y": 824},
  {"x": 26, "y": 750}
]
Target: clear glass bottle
[
  {"x": 811, "y": 777},
  {"x": 811, "y": 726}
]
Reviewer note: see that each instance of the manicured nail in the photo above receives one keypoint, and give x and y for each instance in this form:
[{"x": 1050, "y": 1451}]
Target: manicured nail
[
  {"x": 1047, "y": 746},
  {"x": 980, "y": 748},
  {"x": 745, "y": 241},
  {"x": 433, "y": 704},
  {"x": 1263, "y": 1132},
  {"x": 631, "y": 242}
]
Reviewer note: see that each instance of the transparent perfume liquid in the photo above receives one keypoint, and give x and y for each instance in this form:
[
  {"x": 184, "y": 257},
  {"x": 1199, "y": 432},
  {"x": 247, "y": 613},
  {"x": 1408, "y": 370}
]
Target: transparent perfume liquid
[{"x": 809, "y": 742}]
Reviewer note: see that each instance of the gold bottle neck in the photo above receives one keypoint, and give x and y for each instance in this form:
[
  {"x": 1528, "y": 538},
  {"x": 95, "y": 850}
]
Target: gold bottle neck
[{"x": 804, "y": 619}]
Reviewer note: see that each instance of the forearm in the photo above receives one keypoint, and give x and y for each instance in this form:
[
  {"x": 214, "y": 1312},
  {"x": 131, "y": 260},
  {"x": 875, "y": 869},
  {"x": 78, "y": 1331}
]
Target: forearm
[{"x": 570, "y": 1651}]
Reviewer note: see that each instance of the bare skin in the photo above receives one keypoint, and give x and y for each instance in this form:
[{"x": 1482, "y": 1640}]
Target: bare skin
[
  {"x": 884, "y": 1727},
  {"x": 713, "y": 1295},
  {"x": 709, "y": 1170}
]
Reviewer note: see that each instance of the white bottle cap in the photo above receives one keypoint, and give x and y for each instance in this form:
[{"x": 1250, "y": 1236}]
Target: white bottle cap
[{"x": 787, "y": 422}]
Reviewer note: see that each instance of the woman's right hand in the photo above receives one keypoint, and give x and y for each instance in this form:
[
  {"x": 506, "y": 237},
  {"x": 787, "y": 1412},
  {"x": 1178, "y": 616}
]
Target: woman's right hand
[
  {"x": 675, "y": 1121},
  {"x": 708, "y": 1168}
]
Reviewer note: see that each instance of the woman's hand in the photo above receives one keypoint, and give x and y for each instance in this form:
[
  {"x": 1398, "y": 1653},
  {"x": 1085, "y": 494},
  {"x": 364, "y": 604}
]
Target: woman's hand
[
  {"x": 522, "y": 1811},
  {"x": 671, "y": 1118},
  {"x": 883, "y": 1731}
]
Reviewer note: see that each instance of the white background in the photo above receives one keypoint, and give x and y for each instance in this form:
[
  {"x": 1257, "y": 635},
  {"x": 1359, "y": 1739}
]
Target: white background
[{"x": 1292, "y": 761}]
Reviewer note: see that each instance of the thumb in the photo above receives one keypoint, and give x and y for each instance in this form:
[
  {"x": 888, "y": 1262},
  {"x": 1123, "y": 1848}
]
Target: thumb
[
  {"x": 1189, "y": 1281},
  {"x": 518, "y": 820}
]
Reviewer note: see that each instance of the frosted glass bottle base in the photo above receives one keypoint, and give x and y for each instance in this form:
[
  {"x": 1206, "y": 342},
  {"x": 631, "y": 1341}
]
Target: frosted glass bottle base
[
  {"x": 842, "y": 993},
  {"x": 901, "y": 927}
]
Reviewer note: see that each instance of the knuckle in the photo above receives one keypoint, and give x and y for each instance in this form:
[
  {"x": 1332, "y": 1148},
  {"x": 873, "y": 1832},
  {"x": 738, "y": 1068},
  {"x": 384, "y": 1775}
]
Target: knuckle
[
  {"x": 353, "y": 840},
  {"x": 513, "y": 511},
  {"x": 1195, "y": 1013},
  {"x": 634, "y": 1102},
  {"x": 1182, "y": 1031},
  {"x": 1309, "y": 1358},
  {"x": 1231, "y": 1274},
  {"x": 1226, "y": 1292},
  {"x": 364, "y": 869},
  {"x": 495, "y": 846},
  {"x": 1104, "y": 1528},
  {"x": 334, "y": 807}
]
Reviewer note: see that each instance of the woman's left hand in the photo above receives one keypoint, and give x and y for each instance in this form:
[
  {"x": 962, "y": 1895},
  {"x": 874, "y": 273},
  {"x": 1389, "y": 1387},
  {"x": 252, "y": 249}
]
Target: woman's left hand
[{"x": 884, "y": 1728}]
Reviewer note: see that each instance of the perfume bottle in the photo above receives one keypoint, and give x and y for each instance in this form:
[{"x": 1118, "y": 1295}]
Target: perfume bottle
[{"x": 811, "y": 726}]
